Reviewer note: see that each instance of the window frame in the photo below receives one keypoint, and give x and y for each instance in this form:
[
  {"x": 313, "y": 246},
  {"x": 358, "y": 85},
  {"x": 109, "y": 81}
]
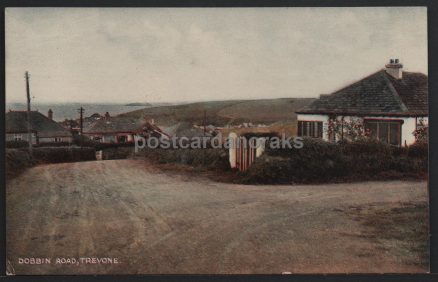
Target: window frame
[
  {"x": 388, "y": 123},
  {"x": 314, "y": 128}
]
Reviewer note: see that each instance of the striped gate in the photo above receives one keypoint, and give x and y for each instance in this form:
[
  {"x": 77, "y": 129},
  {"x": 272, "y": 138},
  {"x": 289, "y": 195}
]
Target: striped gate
[{"x": 245, "y": 153}]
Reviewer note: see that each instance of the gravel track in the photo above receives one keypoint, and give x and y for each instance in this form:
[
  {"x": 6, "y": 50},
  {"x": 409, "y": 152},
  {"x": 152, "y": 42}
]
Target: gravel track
[{"x": 158, "y": 223}]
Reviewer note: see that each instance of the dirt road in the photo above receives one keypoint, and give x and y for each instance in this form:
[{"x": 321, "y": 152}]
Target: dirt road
[{"x": 155, "y": 222}]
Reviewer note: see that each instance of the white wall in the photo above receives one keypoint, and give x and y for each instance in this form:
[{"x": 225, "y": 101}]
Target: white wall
[
  {"x": 24, "y": 137},
  {"x": 52, "y": 139},
  {"x": 407, "y": 128}
]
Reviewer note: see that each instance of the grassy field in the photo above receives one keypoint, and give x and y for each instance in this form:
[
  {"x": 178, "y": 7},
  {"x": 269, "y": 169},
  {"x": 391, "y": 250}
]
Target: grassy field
[
  {"x": 289, "y": 128},
  {"x": 221, "y": 113}
]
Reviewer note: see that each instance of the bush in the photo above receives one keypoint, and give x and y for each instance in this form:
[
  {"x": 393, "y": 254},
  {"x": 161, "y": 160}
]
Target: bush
[
  {"x": 312, "y": 147},
  {"x": 260, "y": 134},
  {"x": 17, "y": 144},
  {"x": 419, "y": 150},
  {"x": 115, "y": 153},
  {"x": 63, "y": 154},
  {"x": 212, "y": 159},
  {"x": 366, "y": 146},
  {"x": 320, "y": 162},
  {"x": 53, "y": 144},
  {"x": 85, "y": 141},
  {"x": 16, "y": 161}
]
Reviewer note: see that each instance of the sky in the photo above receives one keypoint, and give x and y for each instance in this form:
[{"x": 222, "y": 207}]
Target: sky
[{"x": 124, "y": 55}]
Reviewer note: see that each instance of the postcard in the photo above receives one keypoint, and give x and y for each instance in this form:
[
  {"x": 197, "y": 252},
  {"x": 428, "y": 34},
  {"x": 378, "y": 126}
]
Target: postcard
[{"x": 216, "y": 140}]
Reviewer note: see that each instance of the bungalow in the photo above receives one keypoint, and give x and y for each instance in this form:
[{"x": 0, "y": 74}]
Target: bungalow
[
  {"x": 389, "y": 105},
  {"x": 44, "y": 129},
  {"x": 121, "y": 129}
]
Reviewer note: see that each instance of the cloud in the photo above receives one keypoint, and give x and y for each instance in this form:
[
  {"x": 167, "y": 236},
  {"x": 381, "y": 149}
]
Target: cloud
[{"x": 121, "y": 55}]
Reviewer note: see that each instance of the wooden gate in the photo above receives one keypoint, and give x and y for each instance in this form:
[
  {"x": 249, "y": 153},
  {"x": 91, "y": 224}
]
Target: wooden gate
[{"x": 245, "y": 152}]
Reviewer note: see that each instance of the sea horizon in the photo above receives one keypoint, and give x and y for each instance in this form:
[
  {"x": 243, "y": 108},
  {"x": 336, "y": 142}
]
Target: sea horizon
[{"x": 69, "y": 110}]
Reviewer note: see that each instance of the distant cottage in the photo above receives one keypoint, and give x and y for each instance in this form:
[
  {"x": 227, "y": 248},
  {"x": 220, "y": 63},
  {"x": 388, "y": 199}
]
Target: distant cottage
[
  {"x": 44, "y": 129},
  {"x": 121, "y": 129},
  {"x": 390, "y": 105}
]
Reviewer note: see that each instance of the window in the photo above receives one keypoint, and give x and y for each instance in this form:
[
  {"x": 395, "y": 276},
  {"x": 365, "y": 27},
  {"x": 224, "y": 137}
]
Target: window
[
  {"x": 122, "y": 139},
  {"x": 310, "y": 129},
  {"x": 384, "y": 130},
  {"x": 18, "y": 137}
]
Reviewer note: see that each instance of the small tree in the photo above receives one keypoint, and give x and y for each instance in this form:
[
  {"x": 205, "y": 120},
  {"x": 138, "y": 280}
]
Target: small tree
[{"x": 421, "y": 132}]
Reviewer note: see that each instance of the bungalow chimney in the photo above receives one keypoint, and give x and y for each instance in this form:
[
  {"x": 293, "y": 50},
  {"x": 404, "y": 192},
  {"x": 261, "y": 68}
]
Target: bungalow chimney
[
  {"x": 394, "y": 68},
  {"x": 50, "y": 114}
]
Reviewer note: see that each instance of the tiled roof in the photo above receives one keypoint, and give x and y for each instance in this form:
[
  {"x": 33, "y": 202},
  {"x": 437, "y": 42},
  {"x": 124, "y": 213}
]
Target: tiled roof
[
  {"x": 115, "y": 124},
  {"x": 121, "y": 125},
  {"x": 16, "y": 122},
  {"x": 377, "y": 94}
]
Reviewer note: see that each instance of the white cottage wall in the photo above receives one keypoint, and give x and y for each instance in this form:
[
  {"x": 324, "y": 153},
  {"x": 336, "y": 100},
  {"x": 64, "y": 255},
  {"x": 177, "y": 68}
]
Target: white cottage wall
[{"x": 407, "y": 129}]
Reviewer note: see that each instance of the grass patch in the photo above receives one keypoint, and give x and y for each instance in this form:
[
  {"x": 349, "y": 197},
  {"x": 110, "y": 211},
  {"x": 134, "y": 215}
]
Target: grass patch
[{"x": 404, "y": 227}]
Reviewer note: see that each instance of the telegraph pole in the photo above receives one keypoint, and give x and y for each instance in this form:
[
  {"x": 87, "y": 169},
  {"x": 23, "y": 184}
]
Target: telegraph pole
[
  {"x": 205, "y": 122},
  {"x": 81, "y": 123},
  {"x": 204, "y": 139},
  {"x": 29, "y": 124},
  {"x": 81, "y": 119}
]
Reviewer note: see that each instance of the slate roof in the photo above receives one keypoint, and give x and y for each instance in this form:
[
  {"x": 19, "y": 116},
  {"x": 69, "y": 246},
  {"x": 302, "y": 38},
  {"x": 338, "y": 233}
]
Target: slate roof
[
  {"x": 377, "y": 94},
  {"x": 16, "y": 122},
  {"x": 121, "y": 125},
  {"x": 114, "y": 125},
  {"x": 185, "y": 129}
]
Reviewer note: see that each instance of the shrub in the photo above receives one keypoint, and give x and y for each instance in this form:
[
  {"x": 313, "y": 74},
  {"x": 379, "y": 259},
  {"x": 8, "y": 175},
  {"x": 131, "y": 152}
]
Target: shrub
[
  {"x": 399, "y": 151},
  {"x": 17, "y": 144},
  {"x": 63, "y": 154},
  {"x": 116, "y": 152},
  {"x": 319, "y": 162},
  {"x": 85, "y": 141},
  {"x": 366, "y": 146},
  {"x": 53, "y": 144},
  {"x": 312, "y": 147},
  {"x": 212, "y": 159},
  {"x": 419, "y": 150},
  {"x": 260, "y": 134},
  {"x": 16, "y": 161}
]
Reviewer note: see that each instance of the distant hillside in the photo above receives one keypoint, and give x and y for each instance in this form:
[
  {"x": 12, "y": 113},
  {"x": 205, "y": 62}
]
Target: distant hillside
[
  {"x": 138, "y": 104},
  {"x": 221, "y": 113}
]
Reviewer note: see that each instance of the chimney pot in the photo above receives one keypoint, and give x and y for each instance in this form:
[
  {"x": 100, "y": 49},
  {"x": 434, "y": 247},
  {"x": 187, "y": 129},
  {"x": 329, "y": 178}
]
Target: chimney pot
[
  {"x": 50, "y": 114},
  {"x": 394, "y": 68}
]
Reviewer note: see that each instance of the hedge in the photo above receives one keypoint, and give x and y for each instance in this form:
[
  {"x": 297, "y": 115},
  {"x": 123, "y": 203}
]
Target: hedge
[
  {"x": 320, "y": 162},
  {"x": 18, "y": 160},
  {"x": 63, "y": 154},
  {"x": 17, "y": 144},
  {"x": 215, "y": 159}
]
